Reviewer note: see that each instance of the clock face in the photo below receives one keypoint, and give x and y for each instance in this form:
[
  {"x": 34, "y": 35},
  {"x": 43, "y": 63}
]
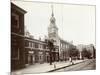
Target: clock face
[{"x": 52, "y": 35}]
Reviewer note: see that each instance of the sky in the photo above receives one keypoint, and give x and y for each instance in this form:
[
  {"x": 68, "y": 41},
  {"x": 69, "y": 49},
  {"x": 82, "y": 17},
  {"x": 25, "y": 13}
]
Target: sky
[{"x": 75, "y": 22}]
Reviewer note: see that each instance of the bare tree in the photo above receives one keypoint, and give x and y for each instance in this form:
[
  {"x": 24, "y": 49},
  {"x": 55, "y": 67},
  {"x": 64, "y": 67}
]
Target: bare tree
[
  {"x": 86, "y": 53},
  {"x": 51, "y": 47}
]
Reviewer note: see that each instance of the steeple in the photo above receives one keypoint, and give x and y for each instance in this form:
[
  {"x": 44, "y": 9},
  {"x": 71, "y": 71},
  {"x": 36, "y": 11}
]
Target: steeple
[
  {"x": 52, "y": 29},
  {"x": 52, "y": 10},
  {"x": 52, "y": 19}
]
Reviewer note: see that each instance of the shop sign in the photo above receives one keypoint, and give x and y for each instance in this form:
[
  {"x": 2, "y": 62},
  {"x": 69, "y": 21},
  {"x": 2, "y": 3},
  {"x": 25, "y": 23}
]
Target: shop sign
[{"x": 31, "y": 52}]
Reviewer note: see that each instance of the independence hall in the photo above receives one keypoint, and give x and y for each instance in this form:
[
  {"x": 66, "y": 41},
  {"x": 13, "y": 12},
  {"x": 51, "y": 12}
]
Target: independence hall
[
  {"x": 25, "y": 50},
  {"x": 37, "y": 51}
]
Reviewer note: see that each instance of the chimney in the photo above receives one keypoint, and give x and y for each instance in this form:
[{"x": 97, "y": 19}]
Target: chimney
[{"x": 40, "y": 38}]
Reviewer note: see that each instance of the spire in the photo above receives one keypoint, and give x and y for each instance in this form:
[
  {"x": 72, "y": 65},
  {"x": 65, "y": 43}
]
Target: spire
[{"x": 52, "y": 10}]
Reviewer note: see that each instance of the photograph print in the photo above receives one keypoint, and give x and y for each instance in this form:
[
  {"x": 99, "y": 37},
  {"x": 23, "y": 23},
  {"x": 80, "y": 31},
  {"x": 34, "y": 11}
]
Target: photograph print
[{"x": 52, "y": 37}]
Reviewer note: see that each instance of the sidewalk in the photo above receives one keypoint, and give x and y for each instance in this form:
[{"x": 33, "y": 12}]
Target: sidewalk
[{"x": 45, "y": 67}]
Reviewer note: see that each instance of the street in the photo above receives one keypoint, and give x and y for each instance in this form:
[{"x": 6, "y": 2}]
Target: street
[
  {"x": 45, "y": 67},
  {"x": 87, "y": 65}
]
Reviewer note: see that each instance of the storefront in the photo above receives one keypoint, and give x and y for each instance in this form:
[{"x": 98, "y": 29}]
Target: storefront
[
  {"x": 29, "y": 57},
  {"x": 47, "y": 57},
  {"x": 41, "y": 57}
]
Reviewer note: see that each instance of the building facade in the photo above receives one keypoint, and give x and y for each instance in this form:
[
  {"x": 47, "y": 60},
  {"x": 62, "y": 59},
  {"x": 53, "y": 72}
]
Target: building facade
[
  {"x": 17, "y": 37},
  {"x": 37, "y": 51},
  {"x": 53, "y": 34},
  {"x": 34, "y": 51},
  {"x": 64, "y": 47}
]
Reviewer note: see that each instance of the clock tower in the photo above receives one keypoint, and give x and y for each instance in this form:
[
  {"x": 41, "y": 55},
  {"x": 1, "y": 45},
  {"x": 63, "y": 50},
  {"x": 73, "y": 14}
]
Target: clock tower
[{"x": 52, "y": 29}]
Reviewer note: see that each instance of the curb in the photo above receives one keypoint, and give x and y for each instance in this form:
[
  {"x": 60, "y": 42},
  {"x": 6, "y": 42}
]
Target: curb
[{"x": 65, "y": 66}]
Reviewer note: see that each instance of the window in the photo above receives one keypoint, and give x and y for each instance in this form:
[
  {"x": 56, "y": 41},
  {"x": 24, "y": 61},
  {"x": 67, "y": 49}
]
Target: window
[
  {"x": 33, "y": 45},
  {"x": 44, "y": 46},
  {"x": 26, "y": 43},
  {"x": 40, "y": 46},
  {"x": 40, "y": 56},
  {"x": 30, "y": 44},
  {"x": 15, "y": 20},
  {"x": 36, "y": 45},
  {"x": 14, "y": 53}
]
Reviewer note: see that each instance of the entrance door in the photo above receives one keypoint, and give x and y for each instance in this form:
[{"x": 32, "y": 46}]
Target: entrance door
[
  {"x": 47, "y": 58},
  {"x": 30, "y": 59},
  {"x": 41, "y": 58},
  {"x": 33, "y": 59}
]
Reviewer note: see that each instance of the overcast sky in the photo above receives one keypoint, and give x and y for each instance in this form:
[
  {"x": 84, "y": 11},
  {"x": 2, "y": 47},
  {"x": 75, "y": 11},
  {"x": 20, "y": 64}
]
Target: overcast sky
[{"x": 75, "y": 22}]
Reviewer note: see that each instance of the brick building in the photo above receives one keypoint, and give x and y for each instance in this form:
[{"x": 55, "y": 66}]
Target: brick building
[
  {"x": 36, "y": 51},
  {"x": 17, "y": 37}
]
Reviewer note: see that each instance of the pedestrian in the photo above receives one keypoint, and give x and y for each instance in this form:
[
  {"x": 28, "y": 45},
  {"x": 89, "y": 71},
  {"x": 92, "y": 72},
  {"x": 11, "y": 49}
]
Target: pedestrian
[
  {"x": 70, "y": 59},
  {"x": 54, "y": 65}
]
